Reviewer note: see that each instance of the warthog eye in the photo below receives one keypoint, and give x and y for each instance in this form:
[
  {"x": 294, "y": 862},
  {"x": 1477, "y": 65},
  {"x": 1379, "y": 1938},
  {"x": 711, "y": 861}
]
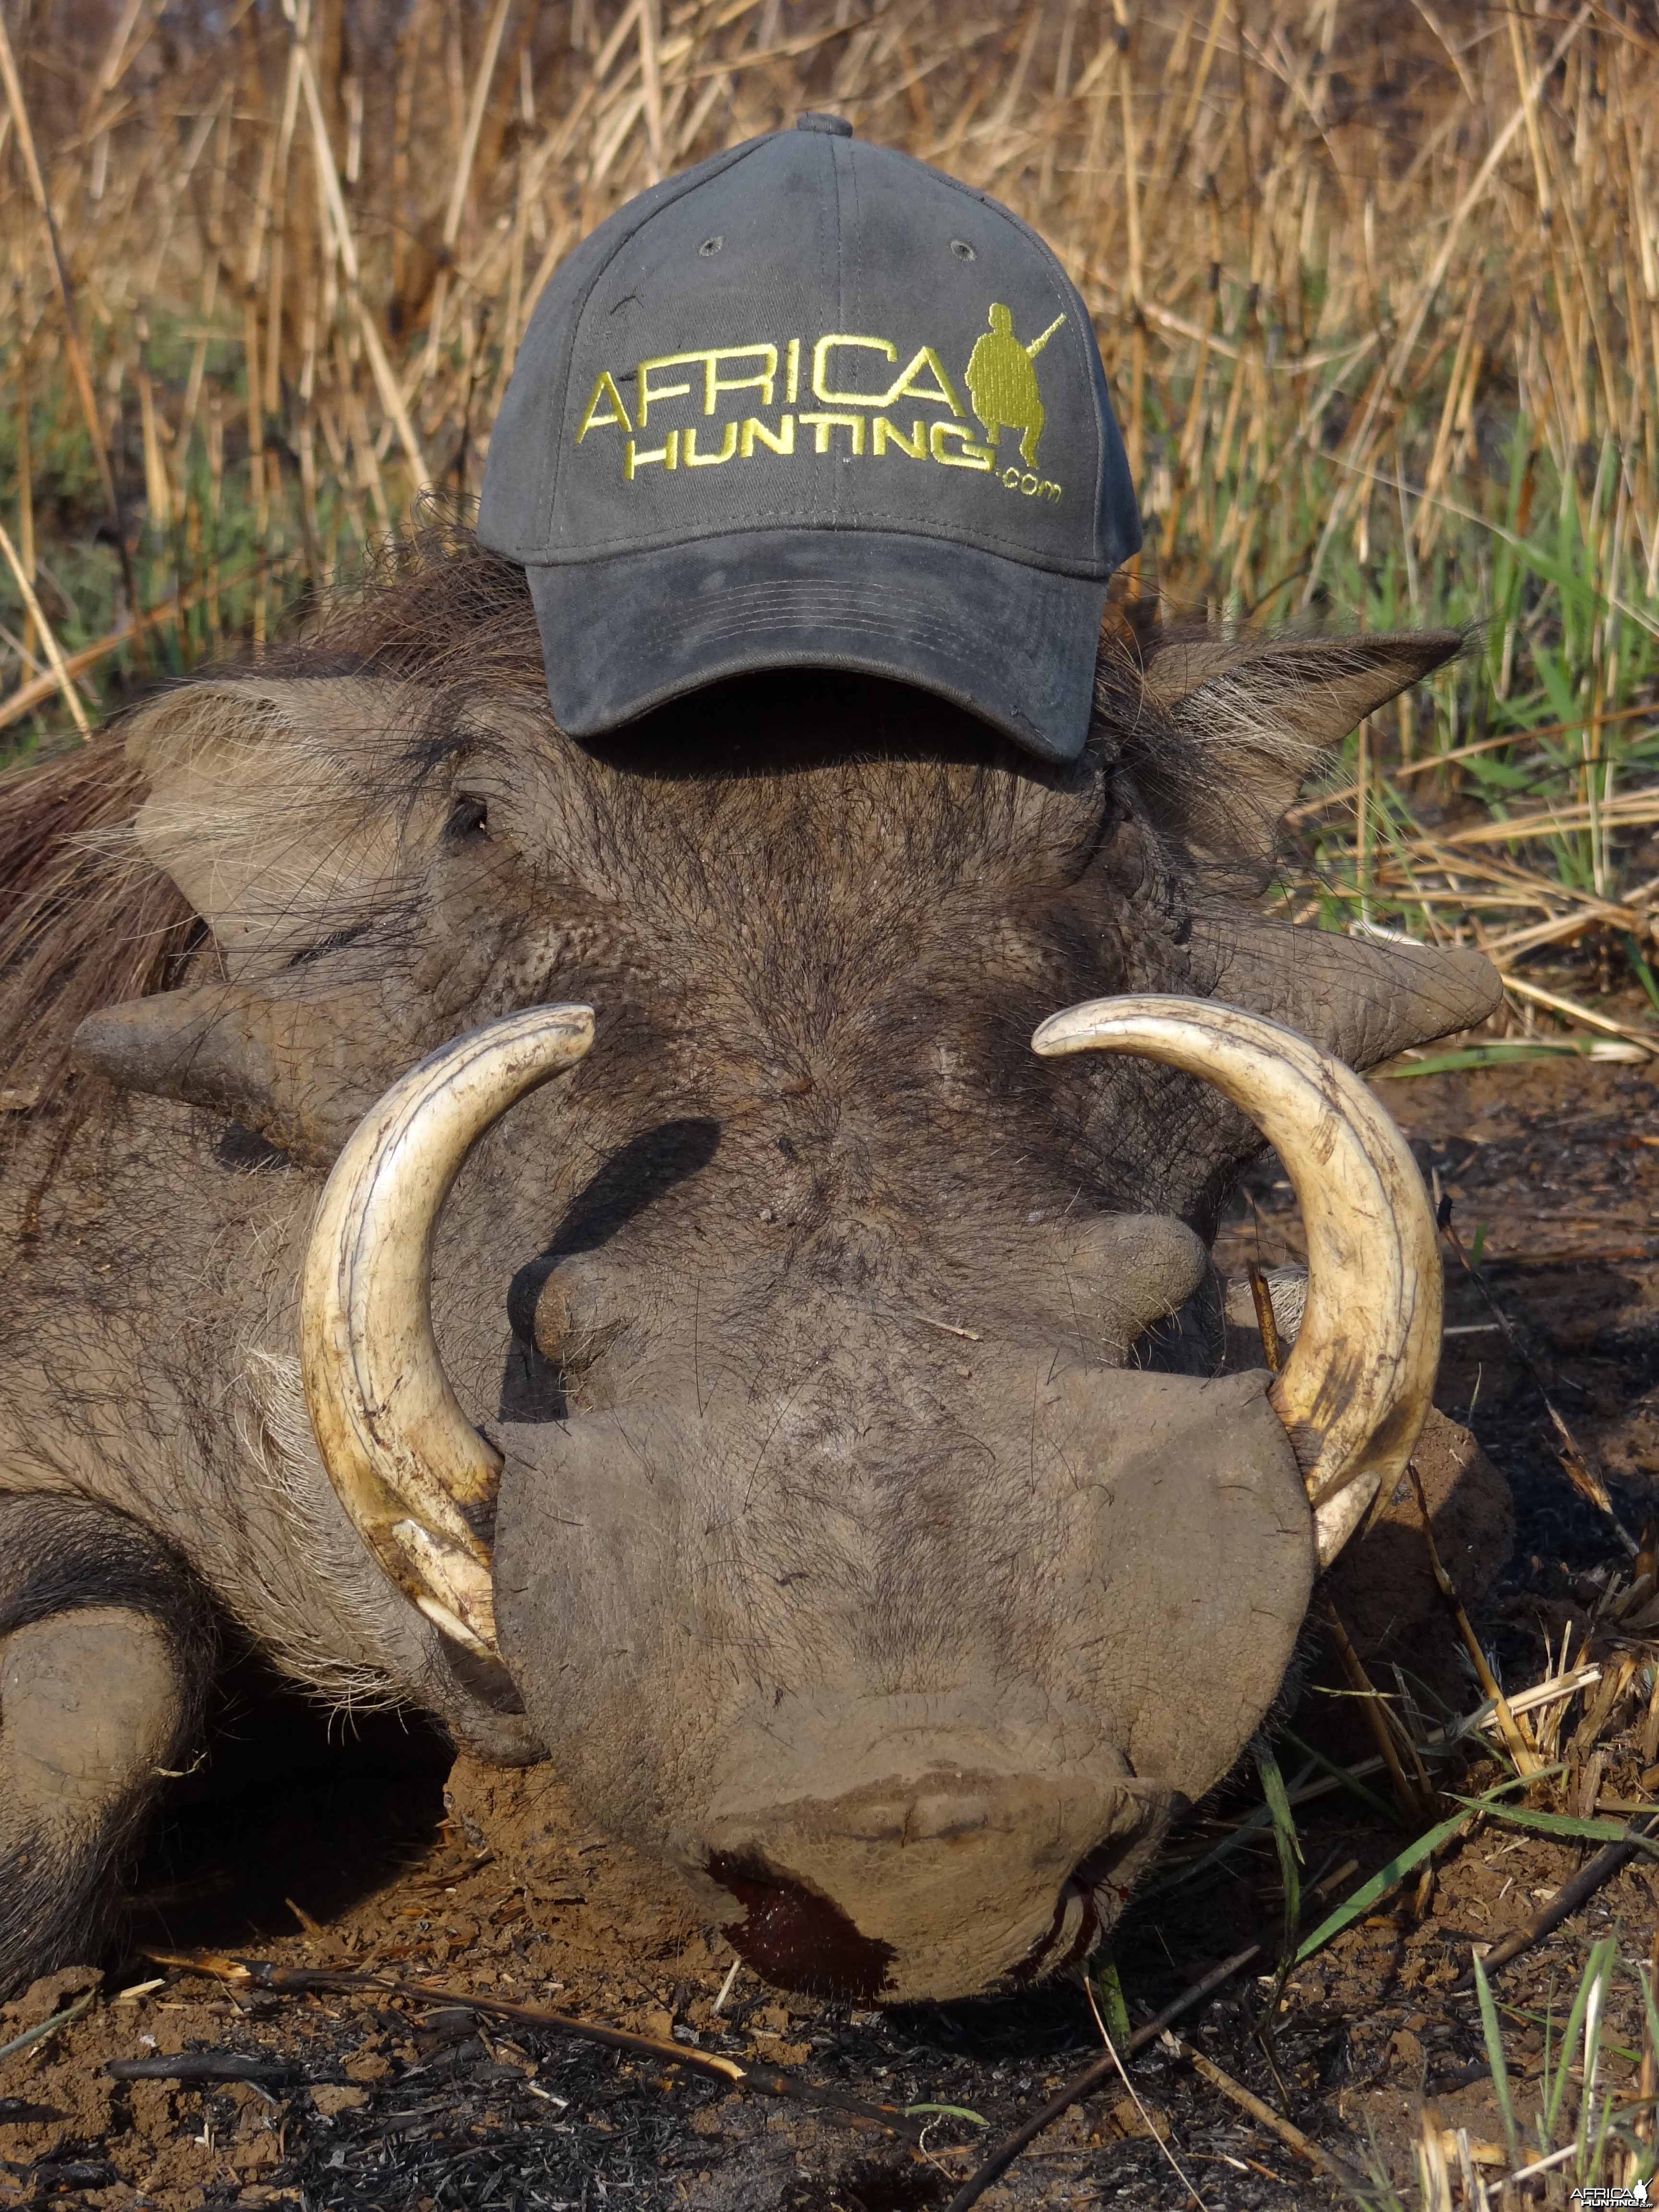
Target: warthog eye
[{"x": 468, "y": 817}]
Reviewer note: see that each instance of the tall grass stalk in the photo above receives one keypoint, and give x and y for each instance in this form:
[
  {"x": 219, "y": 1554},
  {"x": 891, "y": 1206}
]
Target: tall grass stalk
[{"x": 1377, "y": 290}]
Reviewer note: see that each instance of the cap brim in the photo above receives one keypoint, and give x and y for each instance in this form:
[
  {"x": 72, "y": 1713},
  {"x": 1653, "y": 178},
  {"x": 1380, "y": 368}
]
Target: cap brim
[{"x": 1014, "y": 645}]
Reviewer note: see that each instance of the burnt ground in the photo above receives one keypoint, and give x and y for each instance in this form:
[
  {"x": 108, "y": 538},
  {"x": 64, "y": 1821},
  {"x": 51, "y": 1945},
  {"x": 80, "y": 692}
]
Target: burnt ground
[{"x": 310, "y": 1842}]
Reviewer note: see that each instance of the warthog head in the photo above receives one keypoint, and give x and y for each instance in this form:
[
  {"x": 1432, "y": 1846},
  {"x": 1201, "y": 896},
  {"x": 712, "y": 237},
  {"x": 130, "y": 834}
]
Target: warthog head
[{"x": 804, "y": 1405}]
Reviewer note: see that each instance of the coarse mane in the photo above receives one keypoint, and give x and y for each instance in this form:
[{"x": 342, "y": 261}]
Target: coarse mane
[{"x": 86, "y": 921}]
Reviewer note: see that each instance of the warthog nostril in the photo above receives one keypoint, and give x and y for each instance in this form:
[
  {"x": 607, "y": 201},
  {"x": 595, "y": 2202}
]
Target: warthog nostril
[{"x": 792, "y": 1935}]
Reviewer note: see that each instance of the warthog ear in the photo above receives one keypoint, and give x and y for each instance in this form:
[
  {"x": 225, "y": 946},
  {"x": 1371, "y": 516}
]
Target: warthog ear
[
  {"x": 1257, "y": 717},
  {"x": 266, "y": 808}
]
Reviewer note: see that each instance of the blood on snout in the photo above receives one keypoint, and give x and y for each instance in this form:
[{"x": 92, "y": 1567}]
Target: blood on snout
[{"x": 793, "y": 1936}]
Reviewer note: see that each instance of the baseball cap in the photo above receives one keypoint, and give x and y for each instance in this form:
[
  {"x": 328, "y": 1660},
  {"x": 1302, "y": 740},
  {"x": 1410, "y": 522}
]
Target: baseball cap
[{"x": 813, "y": 404}]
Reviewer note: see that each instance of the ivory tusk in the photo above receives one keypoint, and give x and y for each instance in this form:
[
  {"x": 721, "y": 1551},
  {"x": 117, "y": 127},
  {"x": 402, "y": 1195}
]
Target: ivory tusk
[
  {"x": 1355, "y": 1391},
  {"x": 451, "y": 1589},
  {"x": 411, "y": 1469}
]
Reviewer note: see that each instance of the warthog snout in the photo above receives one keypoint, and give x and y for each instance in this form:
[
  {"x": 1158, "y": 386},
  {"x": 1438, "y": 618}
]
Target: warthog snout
[{"x": 905, "y": 1888}]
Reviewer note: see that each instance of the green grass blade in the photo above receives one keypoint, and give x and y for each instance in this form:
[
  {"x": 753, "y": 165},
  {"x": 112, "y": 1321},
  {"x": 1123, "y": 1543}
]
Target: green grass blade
[
  {"x": 1575, "y": 2024},
  {"x": 1289, "y": 1844},
  {"x": 1106, "y": 1982},
  {"x": 1561, "y": 1824},
  {"x": 1251, "y": 1825},
  {"x": 47, "y": 2027},
  {"x": 1599, "y": 1974},
  {"x": 1413, "y": 1856},
  {"x": 1501, "y": 1054},
  {"x": 1351, "y": 1783},
  {"x": 1500, "y": 2072},
  {"x": 1648, "y": 2005},
  {"x": 1384, "y": 1879},
  {"x": 1639, "y": 968}
]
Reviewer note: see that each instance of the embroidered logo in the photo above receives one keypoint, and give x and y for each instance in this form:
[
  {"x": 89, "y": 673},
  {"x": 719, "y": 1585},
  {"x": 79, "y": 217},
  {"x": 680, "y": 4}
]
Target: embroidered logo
[
  {"x": 856, "y": 379},
  {"x": 1002, "y": 383}
]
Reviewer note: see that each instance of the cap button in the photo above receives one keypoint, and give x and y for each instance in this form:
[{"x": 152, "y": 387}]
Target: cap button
[{"x": 835, "y": 126}]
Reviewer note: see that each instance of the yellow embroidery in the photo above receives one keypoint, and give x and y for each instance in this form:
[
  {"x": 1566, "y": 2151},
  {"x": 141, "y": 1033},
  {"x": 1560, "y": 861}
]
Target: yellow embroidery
[
  {"x": 1002, "y": 382},
  {"x": 823, "y": 425},
  {"x": 694, "y": 460},
  {"x": 907, "y": 388},
  {"x": 971, "y": 456},
  {"x": 1029, "y": 484},
  {"x": 884, "y": 347},
  {"x": 889, "y": 434},
  {"x": 668, "y": 391},
  {"x": 784, "y": 443},
  {"x": 604, "y": 389},
  {"x": 668, "y": 454},
  {"x": 761, "y": 382},
  {"x": 709, "y": 359}
]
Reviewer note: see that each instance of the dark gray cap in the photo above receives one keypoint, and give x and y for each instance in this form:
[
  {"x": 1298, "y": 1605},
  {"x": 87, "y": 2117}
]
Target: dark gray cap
[{"x": 814, "y": 404}]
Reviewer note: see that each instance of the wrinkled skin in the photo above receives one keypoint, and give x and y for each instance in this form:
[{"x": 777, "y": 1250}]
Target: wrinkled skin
[{"x": 876, "y": 1543}]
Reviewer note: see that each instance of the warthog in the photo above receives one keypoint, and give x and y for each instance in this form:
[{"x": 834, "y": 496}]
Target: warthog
[{"x": 802, "y": 1420}]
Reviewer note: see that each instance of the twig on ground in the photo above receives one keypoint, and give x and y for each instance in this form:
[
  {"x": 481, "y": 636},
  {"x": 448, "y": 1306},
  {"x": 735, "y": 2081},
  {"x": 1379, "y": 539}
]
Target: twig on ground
[
  {"x": 38, "y": 2034},
  {"x": 1520, "y": 1748},
  {"x": 1086, "y": 2082},
  {"x": 1267, "y": 1321},
  {"x": 768, "y": 2082},
  {"x": 1006, "y": 2152},
  {"x": 1589, "y": 1878},
  {"x": 1574, "y": 1011},
  {"x": 1415, "y": 1795},
  {"x": 1134, "y": 2098},
  {"x": 1151, "y": 2030},
  {"x": 1264, "y": 2115},
  {"x": 202, "y": 2066}
]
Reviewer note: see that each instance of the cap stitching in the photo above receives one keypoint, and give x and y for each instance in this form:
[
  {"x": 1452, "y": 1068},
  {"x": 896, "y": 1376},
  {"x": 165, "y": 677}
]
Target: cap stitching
[
  {"x": 717, "y": 165},
  {"x": 1069, "y": 290},
  {"x": 841, "y": 153},
  {"x": 938, "y": 637},
  {"x": 894, "y": 523}
]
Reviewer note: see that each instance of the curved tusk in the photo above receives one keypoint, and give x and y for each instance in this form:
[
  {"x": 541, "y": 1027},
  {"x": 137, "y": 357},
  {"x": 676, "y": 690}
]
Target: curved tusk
[
  {"x": 411, "y": 1469},
  {"x": 1355, "y": 1390}
]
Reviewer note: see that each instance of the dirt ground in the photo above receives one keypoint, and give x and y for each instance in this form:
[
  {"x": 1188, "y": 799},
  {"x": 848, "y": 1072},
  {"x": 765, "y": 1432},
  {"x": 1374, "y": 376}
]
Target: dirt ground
[{"x": 302, "y": 1842}]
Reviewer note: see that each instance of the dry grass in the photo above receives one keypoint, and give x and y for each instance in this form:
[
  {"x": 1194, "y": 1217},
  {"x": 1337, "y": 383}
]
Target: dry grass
[{"x": 1377, "y": 288}]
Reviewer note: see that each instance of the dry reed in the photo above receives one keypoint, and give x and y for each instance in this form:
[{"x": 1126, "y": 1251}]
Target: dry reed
[{"x": 1377, "y": 288}]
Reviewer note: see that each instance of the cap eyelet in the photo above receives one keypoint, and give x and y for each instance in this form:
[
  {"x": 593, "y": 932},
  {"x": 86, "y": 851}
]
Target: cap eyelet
[
  {"x": 709, "y": 247},
  {"x": 963, "y": 251}
]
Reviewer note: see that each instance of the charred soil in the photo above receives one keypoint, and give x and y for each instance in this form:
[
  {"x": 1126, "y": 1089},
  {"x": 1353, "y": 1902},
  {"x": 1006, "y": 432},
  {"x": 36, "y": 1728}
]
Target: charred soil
[{"x": 309, "y": 1842}]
